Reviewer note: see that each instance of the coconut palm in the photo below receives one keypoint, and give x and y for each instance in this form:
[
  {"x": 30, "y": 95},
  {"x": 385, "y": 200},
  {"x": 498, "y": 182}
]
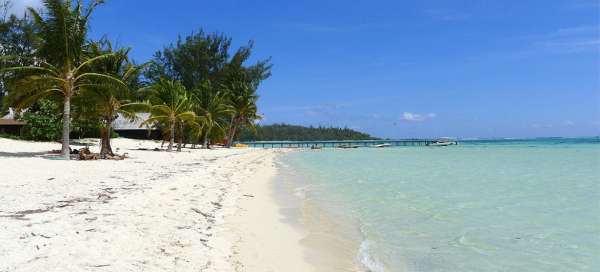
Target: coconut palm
[
  {"x": 112, "y": 101},
  {"x": 170, "y": 105},
  {"x": 62, "y": 68},
  {"x": 212, "y": 110},
  {"x": 242, "y": 100}
]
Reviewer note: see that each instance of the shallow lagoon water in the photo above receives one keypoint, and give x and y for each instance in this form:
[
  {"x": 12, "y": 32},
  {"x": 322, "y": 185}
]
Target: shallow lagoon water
[{"x": 519, "y": 205}]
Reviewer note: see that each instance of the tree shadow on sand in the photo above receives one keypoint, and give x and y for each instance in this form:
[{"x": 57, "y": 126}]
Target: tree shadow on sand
[{"x": 44, "y": 155}]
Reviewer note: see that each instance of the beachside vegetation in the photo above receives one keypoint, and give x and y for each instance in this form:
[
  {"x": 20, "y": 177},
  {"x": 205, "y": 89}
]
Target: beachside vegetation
[
  {"x": 285, "y": 132},
  {"x": 206, "y": 68},
  {"x": 110, "y": 102},
  {"x": 196, "y": 90},
  {"x": 61, "y": 67},
  {"x": 44, "y": 121},
  {"x": 171, "y": 106}
]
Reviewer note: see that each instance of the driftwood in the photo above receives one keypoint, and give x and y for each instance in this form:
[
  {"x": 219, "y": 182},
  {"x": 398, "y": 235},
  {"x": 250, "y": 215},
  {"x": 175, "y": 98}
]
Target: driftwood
[
  {"x": 86, "y": 155},
  {"x": 117, "y": 157}
]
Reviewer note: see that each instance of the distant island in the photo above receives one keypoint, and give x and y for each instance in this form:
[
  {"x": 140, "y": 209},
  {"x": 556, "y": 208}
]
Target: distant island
[{"x": 286, "y": 132}]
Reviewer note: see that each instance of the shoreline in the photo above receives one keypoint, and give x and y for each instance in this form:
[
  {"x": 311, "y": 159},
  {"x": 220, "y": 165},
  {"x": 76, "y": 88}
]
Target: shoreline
[
  {"x": 284, "y": 232},
  {"x": 334, "y": 240},
  {"x": 263, "y": 240}
]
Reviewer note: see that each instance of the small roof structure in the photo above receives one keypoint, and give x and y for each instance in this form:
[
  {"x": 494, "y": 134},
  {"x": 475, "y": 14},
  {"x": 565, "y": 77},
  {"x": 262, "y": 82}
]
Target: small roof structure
[
  {"x": 124, "y": 124},
  {"x": 9, "y": 120}
]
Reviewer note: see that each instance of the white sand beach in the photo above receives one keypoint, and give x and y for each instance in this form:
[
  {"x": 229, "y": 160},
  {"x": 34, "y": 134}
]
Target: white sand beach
[{"x": 198, "y": 210}]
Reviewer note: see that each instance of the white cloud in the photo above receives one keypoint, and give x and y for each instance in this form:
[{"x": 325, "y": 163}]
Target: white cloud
[
  {"x": 18, "y": 7},
  {"x": 572, "y": 40},
  {"x": 416, "y": 117}
]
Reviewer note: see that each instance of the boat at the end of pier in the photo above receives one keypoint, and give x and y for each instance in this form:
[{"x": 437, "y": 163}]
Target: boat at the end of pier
[
  {"x": 382, "y": 145},
  {"x": 445, "y": 141}
]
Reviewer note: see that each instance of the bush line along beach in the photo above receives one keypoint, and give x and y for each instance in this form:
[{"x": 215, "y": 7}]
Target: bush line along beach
[{"x": 196, "y": 90}]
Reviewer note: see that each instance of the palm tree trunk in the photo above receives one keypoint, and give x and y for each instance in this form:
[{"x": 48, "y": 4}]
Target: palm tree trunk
[
  {"x": 171, "y": 138},
  {"x": 105, "y": 133},
  {"x": 206, "y": 142},
  {"x": 66, "y": 149},
  {"x": 232, "y": 130},
  {"x": 180, "y": 137}
]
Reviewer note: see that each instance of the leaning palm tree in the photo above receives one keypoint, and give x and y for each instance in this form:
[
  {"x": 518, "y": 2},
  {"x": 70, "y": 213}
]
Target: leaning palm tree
[
  {"x": 170, "y": 106},
  {"x": 62, "y": 67},
  {"x": 112, "y": 101},
  {"x": 212, "y": 109},
  {"x": 242, "y": 100}
]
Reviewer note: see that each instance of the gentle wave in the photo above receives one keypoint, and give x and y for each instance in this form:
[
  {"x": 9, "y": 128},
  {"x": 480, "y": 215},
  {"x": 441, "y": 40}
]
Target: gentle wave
[{"x": 369, "y": 262}]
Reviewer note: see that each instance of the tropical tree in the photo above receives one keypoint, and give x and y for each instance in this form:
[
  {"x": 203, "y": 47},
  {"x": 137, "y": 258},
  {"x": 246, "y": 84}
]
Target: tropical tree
[
  {"x": 171, "y": 106},
  {"x": 192, "y": 60},
  {"x": 110, "y": 101},
  {"x": 242, "y": 99},
  {"x": 200, "y": 58},
  {"x": 61, "y": 66},
  {"x": 212, "y": 110},
  {"x": 17, "y": 38}
]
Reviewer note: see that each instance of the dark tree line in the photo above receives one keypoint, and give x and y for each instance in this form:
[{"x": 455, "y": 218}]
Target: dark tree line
[
  {"x": 284, "y": 132},
  {"x": 17, "y": 38}
]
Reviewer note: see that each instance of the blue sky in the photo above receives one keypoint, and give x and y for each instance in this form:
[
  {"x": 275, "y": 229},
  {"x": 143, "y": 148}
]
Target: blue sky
[{"x": 400, "y": 68}]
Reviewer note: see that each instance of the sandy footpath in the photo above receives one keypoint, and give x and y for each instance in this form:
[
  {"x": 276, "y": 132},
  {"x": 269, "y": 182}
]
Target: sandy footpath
[{"x": 156, "y": 211}]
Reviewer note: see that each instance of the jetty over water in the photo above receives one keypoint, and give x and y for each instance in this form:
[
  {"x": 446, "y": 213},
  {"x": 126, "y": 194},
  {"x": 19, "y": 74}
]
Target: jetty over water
[{"x": 338, "y": 144}]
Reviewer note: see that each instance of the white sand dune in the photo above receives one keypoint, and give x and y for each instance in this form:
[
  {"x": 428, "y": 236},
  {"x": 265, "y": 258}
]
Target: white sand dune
[{"x": 155, "y": 211}]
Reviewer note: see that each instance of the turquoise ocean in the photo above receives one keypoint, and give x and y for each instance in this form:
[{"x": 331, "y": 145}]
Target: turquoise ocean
[{"x": 488, "y": 205}]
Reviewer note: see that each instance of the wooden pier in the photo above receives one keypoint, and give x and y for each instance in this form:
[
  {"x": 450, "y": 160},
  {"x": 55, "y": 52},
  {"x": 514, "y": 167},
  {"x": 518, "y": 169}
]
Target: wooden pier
[{"x": 337, "y": 144}]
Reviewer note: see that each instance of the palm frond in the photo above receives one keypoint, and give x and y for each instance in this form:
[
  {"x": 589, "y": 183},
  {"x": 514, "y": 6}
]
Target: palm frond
[
  {"x": 93, "y": 60},
  {"x": 28, "y": 69},
  {"x": 135, "y": 107},
  {"x": 101, "y": 77},
  {"x": 29, "y": 100},
  {"x": 153, "y": 120}
]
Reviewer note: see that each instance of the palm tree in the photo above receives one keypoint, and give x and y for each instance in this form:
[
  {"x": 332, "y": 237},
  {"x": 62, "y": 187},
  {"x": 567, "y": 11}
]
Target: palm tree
[
  {"x": 170, "y": 106},
  {"x": 112, "y": 101},
  {"x": 212, "y": 110},
  {"x": 62, "y": 67},
  {"x": 242, "y": 99}
]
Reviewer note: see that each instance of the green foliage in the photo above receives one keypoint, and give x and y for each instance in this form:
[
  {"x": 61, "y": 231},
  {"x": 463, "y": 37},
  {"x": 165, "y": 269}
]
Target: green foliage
[
  {"x": 111, "y": 100},
  {"x": 213, "y": 111},
  {"x": 284, "y": 132},
  {"x": 11, "y": 136},
  {"x": 17, "y": 38},
  {"x": 197, "y": 58},
  {"x": 202, "y": 57},
  {"x": 199, "y": 87},
  {"x": 223, "y": 88},
  {"x": 44, "y": 121},
  {"x": 242, "y": 99},
  {"x": 62, "y": 68},
  {"x": 170, "y": 107}
]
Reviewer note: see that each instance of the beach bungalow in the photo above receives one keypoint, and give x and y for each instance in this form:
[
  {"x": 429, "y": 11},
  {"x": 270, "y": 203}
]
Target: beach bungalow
[
  {"x": 133, "y": 129},
  {"x": 9, "y": 125}
]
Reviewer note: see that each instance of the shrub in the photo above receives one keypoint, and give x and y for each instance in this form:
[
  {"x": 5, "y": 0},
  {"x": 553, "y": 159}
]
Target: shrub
[{"x": 44, "y": 122}]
